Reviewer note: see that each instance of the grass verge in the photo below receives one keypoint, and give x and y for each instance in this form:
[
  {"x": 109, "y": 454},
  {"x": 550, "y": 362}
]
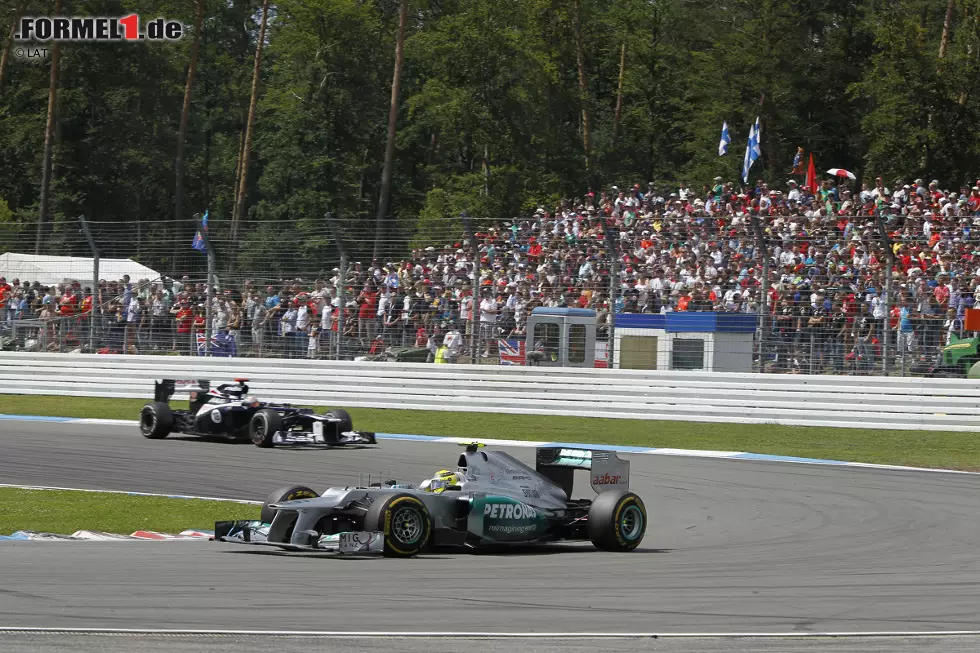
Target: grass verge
[
  {"x": 67, "y": 511},
  {"x": 942, "y": 449}
]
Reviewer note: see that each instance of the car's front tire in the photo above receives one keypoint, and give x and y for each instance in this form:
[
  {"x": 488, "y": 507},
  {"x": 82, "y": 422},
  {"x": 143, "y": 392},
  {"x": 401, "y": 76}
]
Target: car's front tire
[
  {"x": 287, "y": 493},
  {"x": 617, "y": 521},
  {"x": 264, "y": 424},
  {"x": 405, "y": 522},
  {"x": 346, "y": 423},
  {"x": 156, "y": 420}
]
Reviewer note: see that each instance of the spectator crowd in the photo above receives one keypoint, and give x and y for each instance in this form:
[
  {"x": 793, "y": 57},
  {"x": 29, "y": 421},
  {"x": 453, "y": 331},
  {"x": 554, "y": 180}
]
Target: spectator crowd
[{"x": 673, "y": 249}]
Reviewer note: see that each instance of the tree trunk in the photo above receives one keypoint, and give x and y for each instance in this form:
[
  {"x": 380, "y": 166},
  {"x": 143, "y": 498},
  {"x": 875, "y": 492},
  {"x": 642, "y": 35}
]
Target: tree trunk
[
  {"x": 944, "y": 42},
  {"x": 246, "y": 148},
  {"x": 5, "y": 58},
  {"x": 185, "y": 115},
  {"x": 396, "y": 80},
  {"x": 971, "y": 49},
  {"x": 583, "y": 87},
  {"x": 48, "y": 138},
  {"x": 619, "y": 91},
  {"x": 238, "y": 159}
]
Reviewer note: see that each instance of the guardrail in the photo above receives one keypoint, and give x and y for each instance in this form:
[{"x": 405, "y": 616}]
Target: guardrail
[{"x": 837, "y": 401}]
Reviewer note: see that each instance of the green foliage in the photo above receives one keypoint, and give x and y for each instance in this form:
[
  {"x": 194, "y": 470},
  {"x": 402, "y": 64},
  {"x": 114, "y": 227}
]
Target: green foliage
[
  {"x": 9, "y": 227},
  {"x": 490, "y": 113}
]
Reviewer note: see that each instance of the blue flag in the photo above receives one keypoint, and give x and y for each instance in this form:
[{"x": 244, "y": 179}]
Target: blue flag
[
  {"x": 752, "y": 150},
  {"x": 199, "y": 243},
  {"x": 725, "y": 140}
]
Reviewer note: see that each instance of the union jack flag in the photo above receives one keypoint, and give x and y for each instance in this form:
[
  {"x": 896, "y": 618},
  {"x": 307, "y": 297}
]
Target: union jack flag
[{"x": 511, "y": 352}]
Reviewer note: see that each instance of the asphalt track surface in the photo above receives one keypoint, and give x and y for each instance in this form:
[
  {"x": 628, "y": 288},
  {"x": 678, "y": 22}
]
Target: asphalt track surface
[
  {"x": 61, "y": 643},
  {"x": 734, "y": 546}
]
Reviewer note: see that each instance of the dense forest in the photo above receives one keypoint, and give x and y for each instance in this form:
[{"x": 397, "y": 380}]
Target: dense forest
[{"x": 502, "y": 105}]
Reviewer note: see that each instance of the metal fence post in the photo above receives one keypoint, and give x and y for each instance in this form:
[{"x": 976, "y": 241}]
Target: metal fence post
[
  {"x": 338, "y": 240},
  {"x": 762, "y": 304},
  {"x": 475, "y": 306},
  {"x": 95, "y": 279},
  {"x": 342, "y": 309},
  {"x": 613, "y": 283},
  {"x": 889, "y": 263}
]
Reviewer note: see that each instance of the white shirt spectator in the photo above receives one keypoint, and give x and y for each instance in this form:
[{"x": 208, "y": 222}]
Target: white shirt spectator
[
  {"x": 133, "y": 311},
  {"x": 657, "y": 285},
  {"x": 453, "y": 341},
  {"x": 326, "y": 314},
  {"x": 384, "y": 303},
  {"x": 878, "y": 306},
  {"x": 219, "y": 319},
  {"x": 303, "y": 318},
  {"x": 288, "y": 322},
  {"x": 488, "y": 311}
]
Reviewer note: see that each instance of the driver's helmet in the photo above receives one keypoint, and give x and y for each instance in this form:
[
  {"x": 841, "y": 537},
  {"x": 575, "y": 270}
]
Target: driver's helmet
[
  {"x": 252, "y": 401},
  {"x": 438, "y": 483}
]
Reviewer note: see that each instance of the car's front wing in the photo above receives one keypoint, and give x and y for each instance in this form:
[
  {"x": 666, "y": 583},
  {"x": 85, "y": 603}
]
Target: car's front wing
[
  {"x": 256, "y": 533},
  {"x": 317, "y": 435}
]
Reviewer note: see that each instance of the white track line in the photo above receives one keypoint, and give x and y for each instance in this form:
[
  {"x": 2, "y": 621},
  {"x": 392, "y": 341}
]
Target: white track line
[
  {"x": 471, "y": 635},
  {"x": 136, "y": 494},
  {"x": 655, "y": 451}
]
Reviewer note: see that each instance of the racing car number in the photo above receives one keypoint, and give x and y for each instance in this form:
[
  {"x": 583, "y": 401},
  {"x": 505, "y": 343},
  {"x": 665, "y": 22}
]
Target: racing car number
[{"x": 318, "y": 431}]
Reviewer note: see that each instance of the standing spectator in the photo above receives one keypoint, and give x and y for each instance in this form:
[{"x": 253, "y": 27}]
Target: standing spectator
[
  {"x": 257, "y": 317},
  {"x": 906, "y": 330},
  {"x": 288, "y": 328},
  {"x": 183, "y": 319},
  {"x": 302, "y": 333},
  {"x": 235, "y": 326},
  {"x": 132, "y": 315},
  {"x": 159, "y": 309},
  {"x": 488, "y": 320},
  {"x": 453, "y": 343},
  {"x": 367, "y": 314}
]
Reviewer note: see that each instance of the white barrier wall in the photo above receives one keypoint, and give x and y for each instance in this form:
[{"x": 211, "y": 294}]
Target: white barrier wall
[{"x": 840, "y": 401}]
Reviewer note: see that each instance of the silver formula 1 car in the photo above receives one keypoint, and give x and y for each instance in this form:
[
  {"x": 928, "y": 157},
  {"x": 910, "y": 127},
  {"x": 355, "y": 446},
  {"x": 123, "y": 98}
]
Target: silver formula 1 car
[
  {"x": 228, "y": 411},
  {"x": 491, "y": 499}
]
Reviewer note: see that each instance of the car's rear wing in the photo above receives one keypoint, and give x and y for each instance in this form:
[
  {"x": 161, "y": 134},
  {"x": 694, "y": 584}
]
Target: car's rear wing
[
  {"x": 165, "y": 388},
  {"x": 606, "y": 470}
]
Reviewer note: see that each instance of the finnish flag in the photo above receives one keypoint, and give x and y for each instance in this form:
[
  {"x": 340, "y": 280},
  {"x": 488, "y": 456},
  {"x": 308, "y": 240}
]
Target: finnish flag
[
  {"x": 752, "y": 150},
  {"x": 725, "y": 140}
]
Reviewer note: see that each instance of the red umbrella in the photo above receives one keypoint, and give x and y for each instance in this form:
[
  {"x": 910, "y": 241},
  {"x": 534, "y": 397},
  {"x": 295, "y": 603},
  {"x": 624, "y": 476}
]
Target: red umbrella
[{"x": 840, "y": 172}]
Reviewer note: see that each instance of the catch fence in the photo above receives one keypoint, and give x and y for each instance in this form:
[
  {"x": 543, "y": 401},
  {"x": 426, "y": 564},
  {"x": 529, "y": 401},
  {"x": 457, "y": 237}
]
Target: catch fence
[{"x": 463, "y": 294}]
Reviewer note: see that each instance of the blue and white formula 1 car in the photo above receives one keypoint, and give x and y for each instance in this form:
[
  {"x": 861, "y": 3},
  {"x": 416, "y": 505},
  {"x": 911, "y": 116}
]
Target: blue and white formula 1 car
[
  {"x": 229, "y": 411},
  {"x": 491, "y": 499}
]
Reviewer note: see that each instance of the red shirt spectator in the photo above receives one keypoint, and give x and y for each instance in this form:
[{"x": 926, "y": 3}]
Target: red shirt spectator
[
  {"x": 184, "y": 318},
  {"x": 369, "y": 304},
  {"x": 5, "y": 292}
]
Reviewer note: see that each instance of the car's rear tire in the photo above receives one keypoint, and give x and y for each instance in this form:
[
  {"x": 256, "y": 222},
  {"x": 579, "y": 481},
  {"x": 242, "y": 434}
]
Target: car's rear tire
[
  {"x": 346, "y": 423},
  {"x": 288, "y": 493},
  {"x": 156, "y": 420},
  {"x": 617, "y": 521},
  {"x": 263, "y": 426},
  {"x": 405, "y": 522}
]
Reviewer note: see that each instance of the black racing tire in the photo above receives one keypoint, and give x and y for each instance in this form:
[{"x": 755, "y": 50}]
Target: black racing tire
[
  {"x": 405, "y": 522},
  {"x": 263, "y": 426},
  {"x": 346, "y": 424},
  {"x": 617, "y": 521},
  {"x": 156, "y": 420},
  {"x": 288, "y": 493}
]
